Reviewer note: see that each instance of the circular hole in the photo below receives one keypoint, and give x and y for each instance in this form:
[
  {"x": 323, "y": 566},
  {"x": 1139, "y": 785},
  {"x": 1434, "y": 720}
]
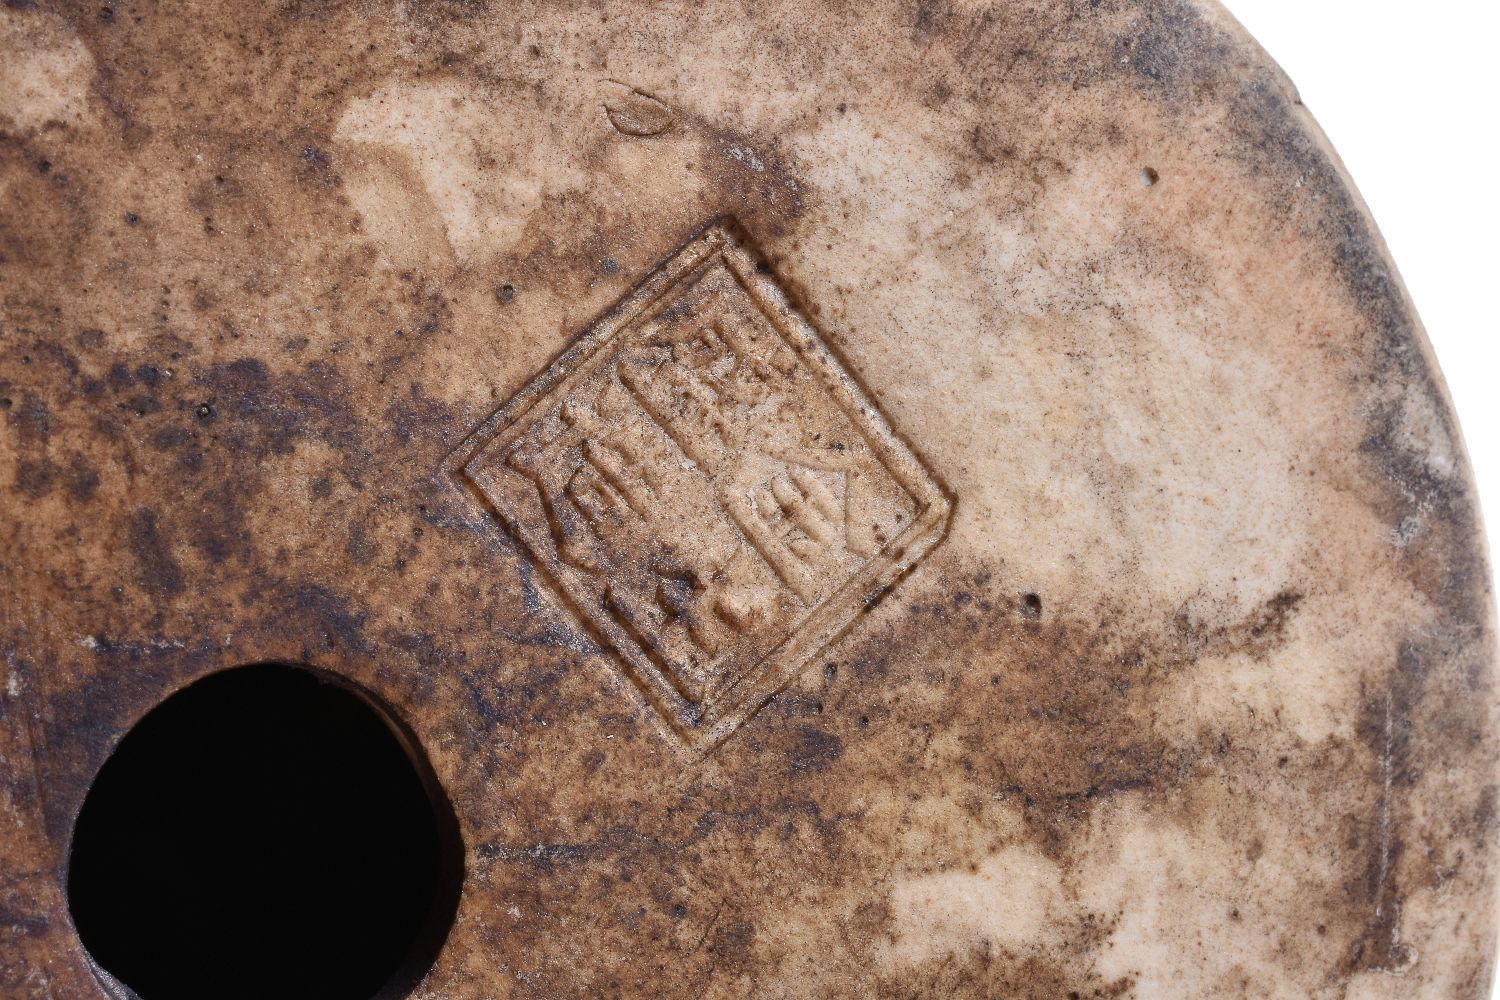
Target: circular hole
[
  {"x": 1031, "y": 605},
  {"x": 1149, "y": 176},
  {"x": 268, "y": 831}
]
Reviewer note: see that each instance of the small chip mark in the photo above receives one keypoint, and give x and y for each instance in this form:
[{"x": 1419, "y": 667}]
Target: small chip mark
[{"x": 634, "y": 113}]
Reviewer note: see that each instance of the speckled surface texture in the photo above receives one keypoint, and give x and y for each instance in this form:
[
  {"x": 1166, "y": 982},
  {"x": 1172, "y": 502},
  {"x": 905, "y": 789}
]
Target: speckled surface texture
[{"x": 1190, "y": 695}]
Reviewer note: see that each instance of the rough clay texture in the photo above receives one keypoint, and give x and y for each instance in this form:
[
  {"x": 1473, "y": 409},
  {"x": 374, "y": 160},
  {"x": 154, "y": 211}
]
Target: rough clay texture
[{"x": 1195, "y": 698}]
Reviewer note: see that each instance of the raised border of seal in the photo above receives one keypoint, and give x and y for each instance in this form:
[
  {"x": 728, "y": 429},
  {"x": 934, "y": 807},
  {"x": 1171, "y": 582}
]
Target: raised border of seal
[{"x": 701, "y": 727}]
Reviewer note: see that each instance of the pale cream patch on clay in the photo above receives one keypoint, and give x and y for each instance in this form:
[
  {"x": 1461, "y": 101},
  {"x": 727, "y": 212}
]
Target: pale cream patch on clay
[
  {"x": 701, "y": 79},
  {"x": 485, "y": 162},
  {"x": 46, "y": 72},
  {"x": 1333, "y": 646},
  {"x": 1112, "y": 392},
  {"x": 1388, "y": 986},
  {"x": 394, "y": 209},
  {"x": 1012, "y": 901},
  {"x": 1194, "y": 914},
  {"x": 652, "y": 171},
  {"x": 1353, "y": 610}
]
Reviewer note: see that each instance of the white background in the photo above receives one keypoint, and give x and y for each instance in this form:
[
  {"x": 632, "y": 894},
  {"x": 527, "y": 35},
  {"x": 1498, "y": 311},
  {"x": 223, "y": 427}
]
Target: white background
[{"x": 1407, "y": 94}]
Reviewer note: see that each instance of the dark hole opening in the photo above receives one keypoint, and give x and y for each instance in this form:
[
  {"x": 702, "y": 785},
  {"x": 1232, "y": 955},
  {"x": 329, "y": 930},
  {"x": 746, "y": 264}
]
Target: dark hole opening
[{"x": 265, "y": 832}]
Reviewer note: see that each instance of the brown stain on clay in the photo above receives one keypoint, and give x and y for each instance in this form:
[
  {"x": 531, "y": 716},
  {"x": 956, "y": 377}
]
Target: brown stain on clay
[{"x": 226, "y": 411}]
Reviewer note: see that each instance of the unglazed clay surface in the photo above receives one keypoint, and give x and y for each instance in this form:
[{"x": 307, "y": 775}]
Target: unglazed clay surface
[{"x": 855, "y": 500}]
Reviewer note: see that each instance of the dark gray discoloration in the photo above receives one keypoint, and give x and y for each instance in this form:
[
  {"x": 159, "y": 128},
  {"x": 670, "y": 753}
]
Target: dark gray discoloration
[{"x": 1196, "y": 698}]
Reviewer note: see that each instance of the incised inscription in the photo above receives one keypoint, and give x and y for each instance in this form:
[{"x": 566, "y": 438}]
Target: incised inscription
[{"x": 707, "y": 486}]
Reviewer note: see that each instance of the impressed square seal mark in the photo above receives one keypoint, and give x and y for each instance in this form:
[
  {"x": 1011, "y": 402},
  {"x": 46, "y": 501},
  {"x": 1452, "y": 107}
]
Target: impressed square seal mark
[{"x": 707, "y": 486}]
